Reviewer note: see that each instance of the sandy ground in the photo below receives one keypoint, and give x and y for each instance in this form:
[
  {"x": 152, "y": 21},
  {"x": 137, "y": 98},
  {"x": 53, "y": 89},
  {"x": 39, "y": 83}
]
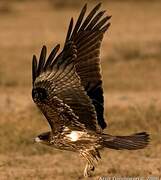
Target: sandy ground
[{"x": 131, "y": 72}]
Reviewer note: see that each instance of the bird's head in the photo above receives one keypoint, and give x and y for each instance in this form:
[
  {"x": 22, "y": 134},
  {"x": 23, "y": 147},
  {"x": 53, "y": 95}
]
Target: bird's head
[{"x": 44, "y": 138}]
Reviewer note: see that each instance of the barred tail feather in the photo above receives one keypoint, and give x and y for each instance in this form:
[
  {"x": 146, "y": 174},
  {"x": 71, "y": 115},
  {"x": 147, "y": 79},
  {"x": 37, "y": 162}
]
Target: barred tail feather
[{"x": 132, "y": 142}]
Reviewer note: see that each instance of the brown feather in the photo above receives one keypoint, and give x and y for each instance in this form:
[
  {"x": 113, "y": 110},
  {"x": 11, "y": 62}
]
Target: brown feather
[
  {"x": 51, "y": 56},
  {"x": 42, "y": 60},
  {"x": 89, "y": 17},
  {"x": 34, "y": 68}
]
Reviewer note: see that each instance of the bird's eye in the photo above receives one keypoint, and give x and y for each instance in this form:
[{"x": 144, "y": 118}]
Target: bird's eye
[{"x": 39, "y": 94}]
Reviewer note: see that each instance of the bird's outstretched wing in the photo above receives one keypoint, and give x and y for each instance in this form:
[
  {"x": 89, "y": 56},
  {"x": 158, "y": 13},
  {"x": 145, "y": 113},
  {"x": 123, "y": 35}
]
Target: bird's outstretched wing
[
  {"x": 87, "y": 35},
  {"x": 68, "y": 87},
  {"x": 59, "y": 94}
]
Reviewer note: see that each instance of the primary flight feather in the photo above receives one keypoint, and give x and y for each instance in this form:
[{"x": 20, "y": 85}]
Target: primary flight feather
[{"x": 67, "y": 88}]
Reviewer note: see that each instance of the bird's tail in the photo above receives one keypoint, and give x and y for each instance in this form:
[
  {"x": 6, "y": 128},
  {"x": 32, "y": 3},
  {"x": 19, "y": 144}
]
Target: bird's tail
[{"x": 132, "y": 142}]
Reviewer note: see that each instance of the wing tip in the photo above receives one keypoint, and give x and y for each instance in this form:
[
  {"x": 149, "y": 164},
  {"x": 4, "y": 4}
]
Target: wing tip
[
  {"x": 44, "y": 47},
  {"x": 99, "y": 5},
  {"x": 105, "y": 28},
  {"x": 57, "y": 46},
  {"x": 84, "y": 9},
  {"x": 43, "y": 52},
  {"x": 34, "y": 68},
  {"x": 34, "y": 57},
  {"x": 85, "y": 6}
]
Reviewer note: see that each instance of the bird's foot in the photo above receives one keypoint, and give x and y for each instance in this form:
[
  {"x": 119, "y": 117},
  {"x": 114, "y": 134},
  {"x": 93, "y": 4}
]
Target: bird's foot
[{"x": 88, "y": 170}]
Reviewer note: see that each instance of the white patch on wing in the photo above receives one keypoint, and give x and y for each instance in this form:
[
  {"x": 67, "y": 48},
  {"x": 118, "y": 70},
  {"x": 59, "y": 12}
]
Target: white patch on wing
[{"x": 75, "y": 135}]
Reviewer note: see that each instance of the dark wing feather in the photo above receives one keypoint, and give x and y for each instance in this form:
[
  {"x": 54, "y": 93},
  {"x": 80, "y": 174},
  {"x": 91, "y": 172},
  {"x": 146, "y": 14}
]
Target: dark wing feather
[
  {"x": 41, "y": 60},
  {"x": 87, "y": 36},
  {"x": 79, "y": 21},
  {"x": 34, "y": 68},
  {"x": 59, "y": 94},
  {"x": 51, "y": 57},
  {"x": 89, "y": 17}
]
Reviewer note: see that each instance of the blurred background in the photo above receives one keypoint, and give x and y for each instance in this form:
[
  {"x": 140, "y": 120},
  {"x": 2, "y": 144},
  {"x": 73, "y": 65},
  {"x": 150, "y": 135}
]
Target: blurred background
[{"x": 131, "y": 67}]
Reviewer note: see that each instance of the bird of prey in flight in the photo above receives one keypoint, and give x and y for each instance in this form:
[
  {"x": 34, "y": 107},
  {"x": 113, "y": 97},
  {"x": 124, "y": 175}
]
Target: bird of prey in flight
[{"x": 67, "y": 88}]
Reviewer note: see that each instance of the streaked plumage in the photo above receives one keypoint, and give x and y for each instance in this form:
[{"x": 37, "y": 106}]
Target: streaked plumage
[{"x": 67, "y": 88}]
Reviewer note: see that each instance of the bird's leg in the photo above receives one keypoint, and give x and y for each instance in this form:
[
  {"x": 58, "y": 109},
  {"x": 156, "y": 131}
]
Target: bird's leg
[
  {"x": 90, "y": 166},
  {"x": 86, "y": 174},
  {"x": 87, "y": 170}
]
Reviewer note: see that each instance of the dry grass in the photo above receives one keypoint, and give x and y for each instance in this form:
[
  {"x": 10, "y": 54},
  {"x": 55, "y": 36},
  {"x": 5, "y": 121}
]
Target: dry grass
[{"x": 131, "y": 55}]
